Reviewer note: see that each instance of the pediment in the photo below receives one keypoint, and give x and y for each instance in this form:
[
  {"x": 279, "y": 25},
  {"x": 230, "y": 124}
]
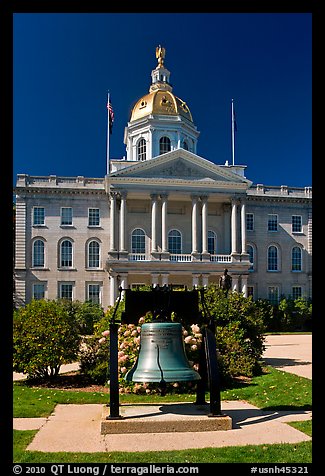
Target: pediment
[{"x": 180, "y": 165}]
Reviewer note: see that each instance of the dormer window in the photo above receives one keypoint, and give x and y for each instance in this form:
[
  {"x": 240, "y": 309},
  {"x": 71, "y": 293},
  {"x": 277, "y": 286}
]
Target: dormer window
[{"x": 164, "y": 145}]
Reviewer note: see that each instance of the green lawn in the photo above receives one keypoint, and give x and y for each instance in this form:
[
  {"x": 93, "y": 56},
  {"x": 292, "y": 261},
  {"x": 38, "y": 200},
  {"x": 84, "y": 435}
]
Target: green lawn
[{"x": 274, "y": 389}]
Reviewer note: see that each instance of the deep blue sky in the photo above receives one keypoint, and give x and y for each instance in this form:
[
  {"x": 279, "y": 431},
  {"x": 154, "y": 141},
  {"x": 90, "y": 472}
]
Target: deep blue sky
[{"x": 63, "y": 65}]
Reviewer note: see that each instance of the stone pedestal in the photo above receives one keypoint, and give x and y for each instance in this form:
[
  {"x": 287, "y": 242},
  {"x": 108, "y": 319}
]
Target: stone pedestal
[{"x": 163, "y": 418}]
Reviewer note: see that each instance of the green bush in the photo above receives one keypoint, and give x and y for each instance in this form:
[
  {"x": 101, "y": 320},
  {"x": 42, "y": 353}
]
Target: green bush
[
  {"x": 240, "y": 331},
  {"x": 288, "y": 315},
  {"x": 44, "y": 337}
]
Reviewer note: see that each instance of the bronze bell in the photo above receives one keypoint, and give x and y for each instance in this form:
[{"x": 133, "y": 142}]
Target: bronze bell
[{"x": 162, "y": 356}]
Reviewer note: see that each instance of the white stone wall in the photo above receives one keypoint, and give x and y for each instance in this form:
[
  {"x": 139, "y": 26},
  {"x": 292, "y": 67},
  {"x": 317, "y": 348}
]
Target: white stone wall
[
  {"x": 285, "y": 240},
  {"x": 53, "y": 233}
]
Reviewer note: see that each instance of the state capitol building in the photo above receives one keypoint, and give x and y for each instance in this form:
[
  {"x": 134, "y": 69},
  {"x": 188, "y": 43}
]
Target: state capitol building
[{"x": 162, "y": 215}]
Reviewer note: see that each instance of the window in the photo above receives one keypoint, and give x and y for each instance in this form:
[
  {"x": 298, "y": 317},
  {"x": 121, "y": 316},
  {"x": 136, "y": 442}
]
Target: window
[
  {"x": 273, "y": 294},
  {"x": 296, "y": 224},
  {"x": 39, "y": 291},
  {"x": 249, "y": 221},
  {"x": 141, "y": 150},
  {"x": 272, "y": 223},
  {"x": 296, "y": 292},
  {"x": 93, "y": 217},
  {"x": 65, "y": 291},
  {"x": 164, "y": 145},
  {"x": 185, "y": 145},
  {"x": 212, "y": 242},
  {"x": 38, "y": 216},
  {"x": 93, "y": 254},
  {"x": 94, "y": 293},
  {"x": 296, "y": 259},
  {"x": 66, "y": 254},
  {"x": 66, "y": 216},
  {"x": 38, "y": 254},
  {"x": 272, "y": 258},
  {"x": 138, "y": 241},
  {"x": 174, "y": 242},
  {"x": 250, "y": 251}
]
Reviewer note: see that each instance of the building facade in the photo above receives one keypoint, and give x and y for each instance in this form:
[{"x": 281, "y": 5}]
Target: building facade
[{"x": 162, "y": 215}]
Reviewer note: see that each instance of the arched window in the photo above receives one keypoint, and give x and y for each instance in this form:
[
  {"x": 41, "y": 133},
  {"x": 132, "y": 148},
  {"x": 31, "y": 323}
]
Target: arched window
[
  {"x": 141, "y": 150},
  {"x": 66, "y": 254},
  {"x": 164, "y": 145},
  {"x": 93, "y": 254},
  {"x": 250, "y": 251},
  {"x": 296, "y": 259},
  {"x": 174, "y": 242},
  {"x": 38, "y": 253},
  {"x": 212, "y": 242},
  {"x": 272, "y": 258},
  {"x": 138, "y": 241}
]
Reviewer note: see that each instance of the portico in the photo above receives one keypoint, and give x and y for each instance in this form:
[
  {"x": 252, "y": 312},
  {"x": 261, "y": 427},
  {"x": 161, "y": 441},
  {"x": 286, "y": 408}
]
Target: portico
[{"x": 167, "y": 231}]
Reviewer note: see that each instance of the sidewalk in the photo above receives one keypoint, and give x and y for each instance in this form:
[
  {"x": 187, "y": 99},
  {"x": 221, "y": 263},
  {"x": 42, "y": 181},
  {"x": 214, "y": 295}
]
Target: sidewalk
[
  {"x": 290, "y": 352},
  {"x": 76, "y": 428}
]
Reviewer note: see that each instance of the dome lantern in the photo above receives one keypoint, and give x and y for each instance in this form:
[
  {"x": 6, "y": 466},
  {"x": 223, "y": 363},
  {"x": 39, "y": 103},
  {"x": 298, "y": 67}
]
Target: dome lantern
[
  {"x": 160, "y": 121},
  {"x": 160, "y": 75}
]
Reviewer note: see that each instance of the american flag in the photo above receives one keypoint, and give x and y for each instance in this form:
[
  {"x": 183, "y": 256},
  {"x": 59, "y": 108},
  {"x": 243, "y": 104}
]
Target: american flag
[{"x": 111, "y": 116}]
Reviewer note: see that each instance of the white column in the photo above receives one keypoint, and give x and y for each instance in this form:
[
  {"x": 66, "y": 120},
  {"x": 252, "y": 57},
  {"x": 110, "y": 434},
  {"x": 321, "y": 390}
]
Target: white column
[
  {"x": 153, "y": 222},
  {"x": 244, "y": 279},
  {"x": 194, "y": 224},
  {"x": 123, "y": 283},
  {"x": 205, "y": 280},
  {"x": 226, "y": 228},
  {"x": 234, "y": 226},
  {"x": 178, "y": 140},
  {"x": 112, "y": 221},
  {"x": 154, "y": 279},
  {"x": 164, "y": 279},
  {"x": 195, "y": 280},
  {"x": 164, "y": 223},
  {"x": 124, "y": 280},
  {"x": 113, "y": 289},
  {"x": 122, "y": 221},
  {"x": 204, "y": 224},
  {"x": 235, "y": 283},
  {"x": 243, "y": 227}
]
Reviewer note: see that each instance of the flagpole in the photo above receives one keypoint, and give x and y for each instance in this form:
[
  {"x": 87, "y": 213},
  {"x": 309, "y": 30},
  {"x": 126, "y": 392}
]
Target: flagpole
[
  {"x": 232, "y": 132},
  {"x": 107, "y": 151}
]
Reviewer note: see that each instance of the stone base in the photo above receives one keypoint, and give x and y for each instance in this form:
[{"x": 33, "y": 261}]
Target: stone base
[{"x": 163, "y": 418}]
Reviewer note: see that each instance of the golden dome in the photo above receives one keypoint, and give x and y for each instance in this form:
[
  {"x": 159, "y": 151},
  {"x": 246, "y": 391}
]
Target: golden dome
[{"x": 160, "y": 102}]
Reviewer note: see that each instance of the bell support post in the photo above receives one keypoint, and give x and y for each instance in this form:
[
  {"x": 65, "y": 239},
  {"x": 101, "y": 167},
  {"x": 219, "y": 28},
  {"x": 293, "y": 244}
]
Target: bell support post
[{"x": 114, "y": 396}]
